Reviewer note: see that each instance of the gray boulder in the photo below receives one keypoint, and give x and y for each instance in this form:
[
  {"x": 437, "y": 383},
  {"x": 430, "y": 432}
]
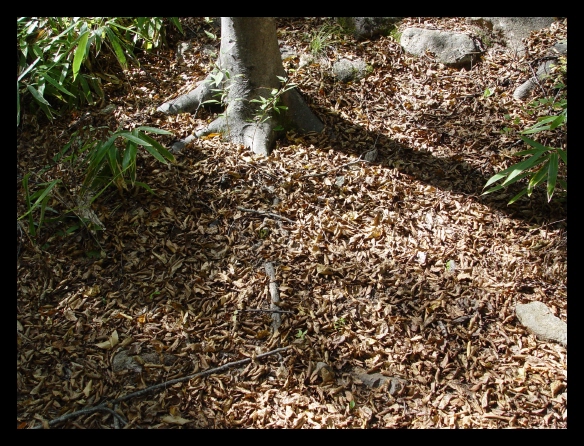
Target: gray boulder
[
  {"x": 349, "y": 70},
  {"x": 538, "y": 318},
  {"x": 512, "y": 29},
  {"x": 544, "y": 69},
  {"x": 452, "y": 49},
  {"x": 367, "y": 27}
]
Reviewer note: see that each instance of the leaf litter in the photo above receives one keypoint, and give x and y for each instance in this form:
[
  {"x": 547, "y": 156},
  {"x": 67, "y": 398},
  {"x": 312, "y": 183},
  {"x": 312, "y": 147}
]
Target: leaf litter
[{"x": 423, "y": 271}]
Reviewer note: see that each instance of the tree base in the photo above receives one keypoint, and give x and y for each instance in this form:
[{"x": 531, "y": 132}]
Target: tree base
[{"x": 237, "y": 122}]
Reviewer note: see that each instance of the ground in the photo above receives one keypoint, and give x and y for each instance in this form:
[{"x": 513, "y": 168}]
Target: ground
[{"x": 399, "y": 265}]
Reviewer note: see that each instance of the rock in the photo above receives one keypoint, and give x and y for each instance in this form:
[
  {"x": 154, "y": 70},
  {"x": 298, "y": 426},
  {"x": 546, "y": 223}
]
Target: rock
[
  {"x": 452, "y": 49},
  {"x": 126, "y": 361},
  {"x": 513, "y": 29},
  {"x": 376, "y": 380},
  {"x": 349, "y": 70},
  {"x": 538, "y": 318},
  {"x": 544, "y": 69},
  {"x": 367, "y": 27}
]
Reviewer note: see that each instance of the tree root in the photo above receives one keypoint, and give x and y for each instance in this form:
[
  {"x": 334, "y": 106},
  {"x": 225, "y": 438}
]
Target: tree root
[{"x": 104, "y": 406}]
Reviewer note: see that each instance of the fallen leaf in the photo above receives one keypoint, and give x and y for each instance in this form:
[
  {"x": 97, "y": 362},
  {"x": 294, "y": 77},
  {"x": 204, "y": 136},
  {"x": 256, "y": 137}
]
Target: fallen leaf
[
  {"x": 171, "y": 419},
  {"x": 110, "y": 343}
]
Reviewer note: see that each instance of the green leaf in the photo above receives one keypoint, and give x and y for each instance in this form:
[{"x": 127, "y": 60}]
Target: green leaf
[
  {"x": 558, "y": 121},
  {"x": 117, "y": 47},
  {"x": 41, "y": 194},
  {"x": 37, "y": 95},
  {"x": 154, "y": 130},
  {"x": 552, "y": 175},
  {"x": 129, "y": 155},
  {"x": 80, "y": 53},
  {"x": 137, "y": 139},
  {"x": 144, "y": 185},
  {"x": 56, "y": 84},
  {"x": 42, "y": 216},
  {"x": 176, "y": 23},
  {"x": 519, "y": 168},
  {"x": 501, "y": 186},
  {"x": 96, "y": 157},
  {"x": 517, "y": 197},
  {"x": 30, "y": 67},
  {"x": 564, "y": 155},
  {"x": 157, "y": 150},
  {"x": 538, "y": 178},
  {"x": 534, "y": 143},
  {"x": 17, "y": 105}
]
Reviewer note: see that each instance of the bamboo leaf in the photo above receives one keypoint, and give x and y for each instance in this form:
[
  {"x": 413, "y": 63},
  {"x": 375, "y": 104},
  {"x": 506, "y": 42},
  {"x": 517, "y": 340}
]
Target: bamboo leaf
[
  {"x": 537, "y": 178},
  {"x": 517, "y": 197},
  {"x": 117, "y": 47},
  {"x": 157, "y": 150},
  {"x": 519, "y": 168},
  {"x": 37, "y": 95},
  {"x": 56, "y": 84},
  {"x": 80, "y": 53},
  {"x": 534, "y": 143},
  {"x": 154, "y": 130},
  {"x": 43, "y": 193},
  {"x": 137, "y": 139},
  {"x": 552, "y": 175}
]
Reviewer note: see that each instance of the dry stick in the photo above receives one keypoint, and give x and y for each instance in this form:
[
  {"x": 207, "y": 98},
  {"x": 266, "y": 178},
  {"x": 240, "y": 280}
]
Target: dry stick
[
  {"x": 155, "y": 387},
  {"x": 267, "y": 311},
  {"x": 268, "y": 214},
  {"x": 274, "y": 294}
]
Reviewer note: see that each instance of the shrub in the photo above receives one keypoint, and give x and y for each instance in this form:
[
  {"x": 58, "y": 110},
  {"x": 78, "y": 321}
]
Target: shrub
[
  {"x": 51, "y": 52},
  {"x": 545, "y": 160}
]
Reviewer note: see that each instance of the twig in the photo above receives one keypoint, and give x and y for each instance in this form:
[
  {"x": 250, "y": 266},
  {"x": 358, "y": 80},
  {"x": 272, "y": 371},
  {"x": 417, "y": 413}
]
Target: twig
[
  {"x": 267, "y": 310},
  {"x": 535, "y": 78},
  {"x": 156, "y": 387},
  {"x": 267, "y": 214},
  {"x": 18, "y": 229},
  {"x": 274, "y": 294}
]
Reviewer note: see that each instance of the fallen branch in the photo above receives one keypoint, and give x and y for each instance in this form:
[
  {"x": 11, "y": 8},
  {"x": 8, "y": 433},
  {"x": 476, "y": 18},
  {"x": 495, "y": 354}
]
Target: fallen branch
[
  {"x": 265, "y": 310},
  {"x": 164, "y": 385},
  {"x": 274, "y": 294},
  {"x": 267, "y": 214}
]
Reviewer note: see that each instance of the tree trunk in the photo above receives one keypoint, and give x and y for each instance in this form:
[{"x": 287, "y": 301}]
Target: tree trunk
[{"x": 248, "y": 71}]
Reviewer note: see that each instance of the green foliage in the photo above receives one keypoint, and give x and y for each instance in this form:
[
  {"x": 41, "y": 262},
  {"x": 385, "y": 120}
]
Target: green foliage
[
  {"x": 325, "y": 37},
  {"x": 340, "y": 324},
  {"x": 272, "y": 101},
  {"x": 488, "y": 92},
  {"x": 263, "y": 233},
  {"x": 221, "y": 81},
  {"x": 56, "y": 56},
  {"x": 545, "y": 161},
  {"x": 107, "y": 163},
  {"x": 301, "y": 334},
  {"x": 36, "y": 201},
  {"x": 394, "y": 33},
  {"x": 102, "y": 163}
]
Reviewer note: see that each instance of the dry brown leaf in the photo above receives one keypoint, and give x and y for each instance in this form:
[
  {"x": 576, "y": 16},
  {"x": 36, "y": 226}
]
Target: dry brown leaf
[
  {"x": 110, "y": 343},
  {"x": 171, "y": 419}
]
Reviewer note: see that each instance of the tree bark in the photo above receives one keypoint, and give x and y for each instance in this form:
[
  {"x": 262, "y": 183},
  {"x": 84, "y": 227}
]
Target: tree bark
[{"x": 248, "y": 68}]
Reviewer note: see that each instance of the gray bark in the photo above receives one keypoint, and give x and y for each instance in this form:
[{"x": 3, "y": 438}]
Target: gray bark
[{"x": 250, "y": 55}]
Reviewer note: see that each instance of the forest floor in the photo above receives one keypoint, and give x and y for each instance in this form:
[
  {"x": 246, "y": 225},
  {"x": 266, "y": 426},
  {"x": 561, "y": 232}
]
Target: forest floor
[{"x": 399, "y": 266}]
